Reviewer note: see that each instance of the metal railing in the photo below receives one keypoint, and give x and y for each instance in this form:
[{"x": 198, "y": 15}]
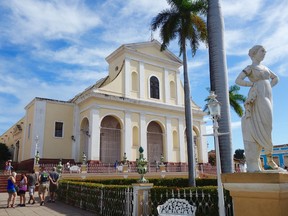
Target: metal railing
[
  {"x": 121, "y": 201},
  {"x": 202, "y": 169}
]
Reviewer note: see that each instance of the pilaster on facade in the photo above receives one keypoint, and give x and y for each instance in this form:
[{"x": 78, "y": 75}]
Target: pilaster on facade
[
  {"x": 128, "y": 135},
  {"x": 38, "y": 129},
  {"x": 169, "y": 141},
  {"x": 166, "y": 86},
  {"x": 182, "y": 140},
  {"x": 143, "y": 133},
  {"x": 94, "y": 141},
  {"x": 127, "y": 77},
  {"x": 141, "y": 80},
  {"x": 178, "y": 88},
  {"x": 24, "y": 140}
]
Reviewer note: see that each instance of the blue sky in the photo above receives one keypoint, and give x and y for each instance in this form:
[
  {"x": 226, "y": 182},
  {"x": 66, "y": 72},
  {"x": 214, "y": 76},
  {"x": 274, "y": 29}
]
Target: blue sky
[{"x": 56, "y": 49}]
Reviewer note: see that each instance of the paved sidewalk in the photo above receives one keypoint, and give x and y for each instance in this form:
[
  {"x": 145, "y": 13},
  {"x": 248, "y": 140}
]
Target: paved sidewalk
[{"x": 49, "y": 209}]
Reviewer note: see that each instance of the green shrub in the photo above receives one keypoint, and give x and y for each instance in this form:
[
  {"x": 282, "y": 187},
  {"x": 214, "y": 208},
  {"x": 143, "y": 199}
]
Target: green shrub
[
  {"x": 169, "y": 182},
  {"x": 109, "y": 197}
]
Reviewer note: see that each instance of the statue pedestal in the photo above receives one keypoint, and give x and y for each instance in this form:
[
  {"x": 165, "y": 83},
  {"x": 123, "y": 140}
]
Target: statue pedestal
[
  {"x": 125, "y": 168},
  {"x": 140, "y": 197},
  {"x": 37, "y": 168},
  {"x": 162, "y": 168},
  {"x": 258, "y": 194},
  {"x": 83, "y": 168}
]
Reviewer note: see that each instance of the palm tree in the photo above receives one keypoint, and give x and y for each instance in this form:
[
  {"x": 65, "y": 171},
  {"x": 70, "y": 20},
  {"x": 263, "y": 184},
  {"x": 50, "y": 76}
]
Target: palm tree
[
  {"x": 182, "y": 21},
  {"x": 235, "y": 100},
  {"x": 218, "y": 80}
]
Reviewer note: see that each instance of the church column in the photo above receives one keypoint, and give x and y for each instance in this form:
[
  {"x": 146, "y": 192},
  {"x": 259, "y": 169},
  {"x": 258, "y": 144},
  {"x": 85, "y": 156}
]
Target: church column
[
  {"x": 141, "y": 80},
  {"x": 143, "y": 134},
  {"x": 178, "y": 88},
  {"x": 127, "y": 78},
  {"x": 169, "y": 141},
  {"x": 202, "y": 144},
  {"x": 94, "y": 141},
  {"x": 182, "y": 140},
  {"x": 166, "y": 86},
  {"x": 128, "y": 135}
]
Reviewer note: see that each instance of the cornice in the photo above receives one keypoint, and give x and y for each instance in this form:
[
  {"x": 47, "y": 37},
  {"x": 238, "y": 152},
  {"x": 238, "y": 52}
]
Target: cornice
[{"x": 159, "y": 105}]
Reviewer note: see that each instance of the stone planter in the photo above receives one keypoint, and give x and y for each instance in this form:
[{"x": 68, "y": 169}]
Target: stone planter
[
  {"x": 162, "y": 168},
  {"x": 83, "y": 168},
  {"x": 125, "y": 168}
]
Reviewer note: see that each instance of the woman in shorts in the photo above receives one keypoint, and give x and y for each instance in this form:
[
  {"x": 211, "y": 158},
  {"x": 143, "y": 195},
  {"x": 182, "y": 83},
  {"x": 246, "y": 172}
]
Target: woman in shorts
[
  {"x": 11, "y": 189},
  {"x": 22, "y": 189}
]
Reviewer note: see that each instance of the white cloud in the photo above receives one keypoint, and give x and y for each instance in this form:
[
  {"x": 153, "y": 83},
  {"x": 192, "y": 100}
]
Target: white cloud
[
  {"x": 34, "y": 19},
  {"x": 76, "y": 55},
  {"x": 269, "y": 28},
  {"x": 239, "y": 9},
  {"x": 143, "y": 7},
  {"x": 83, "y": 76}
]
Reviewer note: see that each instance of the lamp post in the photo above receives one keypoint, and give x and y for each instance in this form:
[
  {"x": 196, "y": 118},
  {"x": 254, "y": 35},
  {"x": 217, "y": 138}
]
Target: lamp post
[
  {"x": 36, "y": 149},
  {"x": 215, "y": 111}
]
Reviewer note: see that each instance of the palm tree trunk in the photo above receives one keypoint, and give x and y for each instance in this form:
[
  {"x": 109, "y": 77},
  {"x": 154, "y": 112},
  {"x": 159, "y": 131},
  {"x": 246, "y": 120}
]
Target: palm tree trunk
[
  {"x": 219, "y": 80},
  {"x": 188, "y": 120}
]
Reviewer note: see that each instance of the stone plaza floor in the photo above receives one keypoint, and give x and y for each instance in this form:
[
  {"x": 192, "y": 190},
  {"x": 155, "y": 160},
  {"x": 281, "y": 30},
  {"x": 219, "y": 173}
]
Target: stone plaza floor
[{"x": 49, "y": 209}]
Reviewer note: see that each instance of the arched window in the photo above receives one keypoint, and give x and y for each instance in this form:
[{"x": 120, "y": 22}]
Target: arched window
[{"x": 154, "y": 87}]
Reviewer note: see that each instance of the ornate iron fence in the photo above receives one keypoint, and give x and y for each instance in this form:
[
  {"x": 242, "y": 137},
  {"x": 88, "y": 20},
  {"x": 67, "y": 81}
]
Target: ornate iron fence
[
  {"x": 205, "y": 200},
  {"x": 99, "y": 199},
  {"x": 116, "y": 201}
]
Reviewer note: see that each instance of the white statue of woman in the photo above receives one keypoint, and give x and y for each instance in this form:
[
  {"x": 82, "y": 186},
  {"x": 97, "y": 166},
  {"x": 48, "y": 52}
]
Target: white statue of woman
[{"x": 257, "y": 121}]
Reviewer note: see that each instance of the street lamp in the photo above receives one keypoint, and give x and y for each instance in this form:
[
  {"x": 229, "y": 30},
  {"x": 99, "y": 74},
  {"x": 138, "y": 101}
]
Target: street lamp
[
  {"x": 36, "y": 148},
  {"x": 215, "y": 111}
]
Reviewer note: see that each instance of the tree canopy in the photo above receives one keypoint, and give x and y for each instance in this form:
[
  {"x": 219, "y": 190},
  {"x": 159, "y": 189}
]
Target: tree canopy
[
  {"x": 4, "y": 153},
  {"x": 239, "y": 154}
]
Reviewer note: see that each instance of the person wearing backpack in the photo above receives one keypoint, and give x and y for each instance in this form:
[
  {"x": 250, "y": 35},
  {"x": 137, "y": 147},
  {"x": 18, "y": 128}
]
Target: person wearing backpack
[{"x": 43, "y": 180}]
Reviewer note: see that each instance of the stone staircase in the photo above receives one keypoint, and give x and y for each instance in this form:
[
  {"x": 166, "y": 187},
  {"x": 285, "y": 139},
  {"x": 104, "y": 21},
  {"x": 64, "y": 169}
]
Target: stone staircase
[{"x": 3, "y": 182}]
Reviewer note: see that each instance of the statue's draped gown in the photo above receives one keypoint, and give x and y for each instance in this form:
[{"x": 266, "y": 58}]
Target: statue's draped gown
[{"x": 257, "y": 122}]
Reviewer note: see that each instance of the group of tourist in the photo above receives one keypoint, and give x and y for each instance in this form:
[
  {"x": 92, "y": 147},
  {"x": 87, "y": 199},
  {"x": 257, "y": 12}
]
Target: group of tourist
[
  {"x": 8, "y": 167},
  {"x": 44, "y": 181}
]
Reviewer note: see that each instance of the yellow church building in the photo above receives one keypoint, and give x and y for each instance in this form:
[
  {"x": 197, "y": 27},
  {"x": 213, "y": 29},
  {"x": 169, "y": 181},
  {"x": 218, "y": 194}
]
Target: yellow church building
[{"x": 139, "y": 103}]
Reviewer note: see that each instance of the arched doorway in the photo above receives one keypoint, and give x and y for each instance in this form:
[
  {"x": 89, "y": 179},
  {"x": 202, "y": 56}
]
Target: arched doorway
[
  {"x": 84, "y": 138},
  {"x": 154, "y": 142},
  {"x": 110, "y": 140}
]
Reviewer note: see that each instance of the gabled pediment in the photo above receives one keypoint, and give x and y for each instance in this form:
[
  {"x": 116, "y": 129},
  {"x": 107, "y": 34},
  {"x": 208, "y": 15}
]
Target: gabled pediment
[{"x": 146, "y": 50}]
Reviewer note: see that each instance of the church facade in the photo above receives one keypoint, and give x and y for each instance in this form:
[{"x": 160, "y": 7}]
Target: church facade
[{"x": 139, "y": 103}]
